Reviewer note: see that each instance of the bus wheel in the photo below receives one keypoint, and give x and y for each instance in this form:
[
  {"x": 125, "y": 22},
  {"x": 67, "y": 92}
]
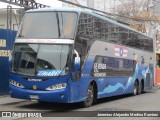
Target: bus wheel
[
  {"x": 135, "y": 91},
  {"x": 90, "y": 97},
  {"x": 140, "y": 88}
]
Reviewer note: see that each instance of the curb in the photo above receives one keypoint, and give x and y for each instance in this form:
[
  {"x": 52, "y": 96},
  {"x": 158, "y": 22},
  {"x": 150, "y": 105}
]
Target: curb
[{"x": 2, "y": 96}]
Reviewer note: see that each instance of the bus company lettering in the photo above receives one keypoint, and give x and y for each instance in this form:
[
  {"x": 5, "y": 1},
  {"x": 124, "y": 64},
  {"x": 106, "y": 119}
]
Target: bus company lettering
[
  {"x": 4, "y": 53},
  {"x": 48, "y": 72},
  {"x": 97, "y": 67},
  {"x": 37, "y": 80},
  {"x": 2, "y": 43}
]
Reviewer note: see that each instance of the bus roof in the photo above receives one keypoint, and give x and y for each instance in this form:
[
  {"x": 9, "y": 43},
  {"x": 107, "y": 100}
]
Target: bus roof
[{"x": 90, "y": 12}]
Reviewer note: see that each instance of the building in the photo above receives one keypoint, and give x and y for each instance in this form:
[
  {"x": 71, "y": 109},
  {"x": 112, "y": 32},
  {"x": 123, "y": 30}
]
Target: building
[
  {"x": 110, "y": 5},
  {"x": 12, "y": 19},
  {"x": 103, "y": 5},
  {"x": 80, "y": 2}
]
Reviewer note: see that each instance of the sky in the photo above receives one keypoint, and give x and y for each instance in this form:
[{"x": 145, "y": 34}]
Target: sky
[{"x": 53, "y": 3}]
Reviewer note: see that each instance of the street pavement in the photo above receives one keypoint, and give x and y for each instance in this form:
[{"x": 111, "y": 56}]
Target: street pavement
[{"x": 149, "y": 101}]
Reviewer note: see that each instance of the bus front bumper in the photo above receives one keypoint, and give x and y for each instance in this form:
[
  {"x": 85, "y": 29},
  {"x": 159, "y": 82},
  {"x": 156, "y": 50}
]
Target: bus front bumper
[{"x": 60, "y": 96}]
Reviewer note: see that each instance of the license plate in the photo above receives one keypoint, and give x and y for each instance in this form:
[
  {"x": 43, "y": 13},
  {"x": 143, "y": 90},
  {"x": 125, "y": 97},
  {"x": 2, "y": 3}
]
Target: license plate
[{"x": 34, "y": 97}]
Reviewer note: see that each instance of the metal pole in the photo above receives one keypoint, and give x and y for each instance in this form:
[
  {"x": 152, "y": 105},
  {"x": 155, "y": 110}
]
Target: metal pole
[{"x": 9, "y": 17}]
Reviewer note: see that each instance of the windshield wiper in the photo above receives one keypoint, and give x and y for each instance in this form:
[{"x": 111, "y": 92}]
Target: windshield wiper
[
  {"x": 14, "y": 70},
  {"x": 58, "y": 25},
  {"x": 61, "y": 71},
  {"x": 20, "y": 35}
]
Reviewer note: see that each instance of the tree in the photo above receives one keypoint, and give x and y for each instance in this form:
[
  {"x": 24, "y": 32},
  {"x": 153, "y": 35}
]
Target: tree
[{"x": 139, "y": 14}]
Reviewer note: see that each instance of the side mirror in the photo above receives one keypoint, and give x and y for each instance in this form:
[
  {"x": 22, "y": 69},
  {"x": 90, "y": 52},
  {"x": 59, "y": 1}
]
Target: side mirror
[
  {"x": 76, "y": 60},
  {"x": 77, "y": 63}
]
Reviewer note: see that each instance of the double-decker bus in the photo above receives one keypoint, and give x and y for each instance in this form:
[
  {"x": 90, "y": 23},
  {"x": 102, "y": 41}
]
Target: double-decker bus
[{"x": 71, "y": 55}]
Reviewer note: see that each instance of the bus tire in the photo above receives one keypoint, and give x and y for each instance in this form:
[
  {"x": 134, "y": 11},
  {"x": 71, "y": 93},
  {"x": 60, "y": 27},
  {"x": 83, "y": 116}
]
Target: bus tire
[
  {"x": 90, "y": 97},
  {"x": 135, "y": 90},
  {"x": 140, "y": 88}
]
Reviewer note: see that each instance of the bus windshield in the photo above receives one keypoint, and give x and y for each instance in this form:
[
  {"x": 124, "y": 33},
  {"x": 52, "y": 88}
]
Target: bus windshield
[
  {"x": 48, "y": 25},
  {"x": 41, "y": 59}
]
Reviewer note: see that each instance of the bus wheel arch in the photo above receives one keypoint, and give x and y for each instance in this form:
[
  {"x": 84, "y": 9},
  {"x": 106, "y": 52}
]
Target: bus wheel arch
[
  {"x": 141, "y": 86},
  {"x": 91, "y": 94},
  {"x": 95, "y": 88}
]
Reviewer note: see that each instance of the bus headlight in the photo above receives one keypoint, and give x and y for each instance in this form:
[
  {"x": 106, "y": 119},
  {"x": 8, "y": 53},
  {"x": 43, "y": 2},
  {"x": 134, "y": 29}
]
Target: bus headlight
[
  {"x": 14, "y": 83},
  {"x": 57, "y": 86}
]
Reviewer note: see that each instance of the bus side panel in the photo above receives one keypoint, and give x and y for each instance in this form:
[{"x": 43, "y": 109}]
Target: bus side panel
[
  {"x": 144, "y": 68},
  {"x": 113, "y": 86},
  {"x": 78, "y": 88},
  {"x": 106, "y": 86}
]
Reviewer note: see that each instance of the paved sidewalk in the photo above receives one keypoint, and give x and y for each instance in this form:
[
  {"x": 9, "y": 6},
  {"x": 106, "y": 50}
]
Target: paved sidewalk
[{"x": 6, "y": 99}]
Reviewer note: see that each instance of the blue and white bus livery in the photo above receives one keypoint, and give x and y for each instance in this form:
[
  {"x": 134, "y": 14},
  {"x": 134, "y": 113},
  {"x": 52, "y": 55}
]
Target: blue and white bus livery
[{"x": 71, "y": 55}]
